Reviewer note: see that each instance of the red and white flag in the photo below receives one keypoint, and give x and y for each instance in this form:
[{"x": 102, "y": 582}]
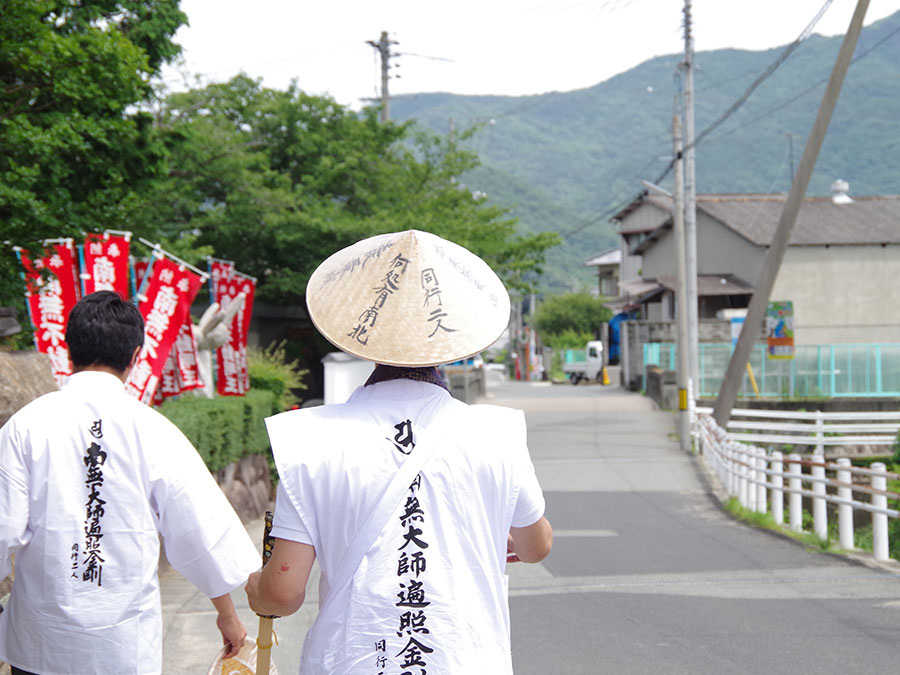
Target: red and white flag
[
  {"x": 165, "y": 305},
  {"x": 49, "y": 299},
  {"x": 138, "y": 271},
  {"x": 232, "y": 376},
  {"x": 181, "y": 372},
  {"x": 247, "y": 286},
  {"x": 105, "y": 263}
]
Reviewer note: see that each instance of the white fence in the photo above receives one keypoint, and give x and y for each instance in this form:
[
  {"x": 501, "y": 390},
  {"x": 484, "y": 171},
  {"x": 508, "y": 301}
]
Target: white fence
[{"x": 761, "y": 478}]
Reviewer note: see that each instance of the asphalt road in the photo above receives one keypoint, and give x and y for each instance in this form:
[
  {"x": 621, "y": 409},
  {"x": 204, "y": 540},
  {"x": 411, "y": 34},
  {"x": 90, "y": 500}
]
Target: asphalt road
[{"x": 647, "y": 574}]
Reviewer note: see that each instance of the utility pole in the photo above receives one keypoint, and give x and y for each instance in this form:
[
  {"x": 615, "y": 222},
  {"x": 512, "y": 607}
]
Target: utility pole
[
  {"x": 684, "y": 374},
  {"x": 383, "y": 46},
  {"x": 690, "y": 205},
  {"x": 772, "y": 263}
]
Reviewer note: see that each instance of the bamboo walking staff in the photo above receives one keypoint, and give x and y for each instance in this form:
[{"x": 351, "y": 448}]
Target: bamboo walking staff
[{"x": 265, "y": 632}]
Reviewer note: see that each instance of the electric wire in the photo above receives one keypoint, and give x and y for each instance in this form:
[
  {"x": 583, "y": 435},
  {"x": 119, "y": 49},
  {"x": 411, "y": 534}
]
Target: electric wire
[{"x": 785, "y": 53}]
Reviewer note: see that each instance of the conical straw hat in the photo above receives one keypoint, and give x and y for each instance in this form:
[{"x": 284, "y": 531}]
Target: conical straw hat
[{"x": 408, "y": 299}]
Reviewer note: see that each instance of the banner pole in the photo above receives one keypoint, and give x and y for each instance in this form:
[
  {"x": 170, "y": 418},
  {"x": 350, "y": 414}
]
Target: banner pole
[{"x": 162, "y": 251}]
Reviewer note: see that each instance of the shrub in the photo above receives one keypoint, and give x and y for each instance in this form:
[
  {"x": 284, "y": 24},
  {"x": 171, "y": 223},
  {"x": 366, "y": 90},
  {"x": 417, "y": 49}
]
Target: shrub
[
  {"x": 269, "y": 370},
  {"x": 224, "y": 429}
]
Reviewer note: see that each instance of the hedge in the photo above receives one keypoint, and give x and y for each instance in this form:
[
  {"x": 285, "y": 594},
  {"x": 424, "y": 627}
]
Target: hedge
[{"x": 224, "y": 429}]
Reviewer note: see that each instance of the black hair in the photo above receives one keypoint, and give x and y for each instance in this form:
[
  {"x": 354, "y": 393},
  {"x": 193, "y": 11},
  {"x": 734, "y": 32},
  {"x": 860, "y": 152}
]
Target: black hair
[{"x": 104, "y": 330}]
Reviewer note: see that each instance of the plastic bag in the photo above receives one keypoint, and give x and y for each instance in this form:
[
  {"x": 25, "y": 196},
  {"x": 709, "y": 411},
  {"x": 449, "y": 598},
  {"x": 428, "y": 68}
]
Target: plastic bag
[{"x": 244, "y": 663}]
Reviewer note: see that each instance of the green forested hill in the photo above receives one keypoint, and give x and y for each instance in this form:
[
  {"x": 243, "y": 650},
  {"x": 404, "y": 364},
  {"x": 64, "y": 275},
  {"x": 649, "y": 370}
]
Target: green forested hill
[{"x": 565, "y": 161}]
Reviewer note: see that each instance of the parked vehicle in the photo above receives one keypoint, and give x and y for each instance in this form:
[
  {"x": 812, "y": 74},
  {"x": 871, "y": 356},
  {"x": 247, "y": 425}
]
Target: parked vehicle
[{"x": 587, "y": 365}]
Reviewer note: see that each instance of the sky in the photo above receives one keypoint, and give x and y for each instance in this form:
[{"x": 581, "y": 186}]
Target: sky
[{"x": 482, "y": 47}]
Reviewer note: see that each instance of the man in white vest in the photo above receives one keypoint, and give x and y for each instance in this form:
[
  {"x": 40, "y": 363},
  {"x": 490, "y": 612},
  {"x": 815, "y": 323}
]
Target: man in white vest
[
  {"x": 412, "y": 501},
  {"x": 90, "y": 478}
]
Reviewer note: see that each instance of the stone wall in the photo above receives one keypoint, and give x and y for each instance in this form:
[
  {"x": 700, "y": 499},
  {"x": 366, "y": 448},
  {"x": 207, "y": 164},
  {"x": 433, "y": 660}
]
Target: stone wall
[
  {"x": 23, "y": 377},
  {"x": 248, "y": 486}
]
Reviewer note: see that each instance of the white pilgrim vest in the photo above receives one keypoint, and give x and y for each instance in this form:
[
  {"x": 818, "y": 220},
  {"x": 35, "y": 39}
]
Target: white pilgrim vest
[
  {"x": 89, "y": 480},
  {"x": 430, "y": 593}
]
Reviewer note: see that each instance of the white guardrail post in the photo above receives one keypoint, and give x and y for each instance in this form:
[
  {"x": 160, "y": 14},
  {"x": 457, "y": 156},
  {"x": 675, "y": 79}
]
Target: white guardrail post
[
  {"x": 759, "y": 479},
  {"x": 795, "y": 470},
  {"x": 743, "y": 472},
  {"x": 845, "y": 511},
  {"x": 777, "y": 498},
  {"x": 750, "y": 458},
  {"x": 819, "y": 506},
  {"x": 879, "y": 520},
  {"x": 761, "y": 467},
  {"x": 820, "y": 433}
]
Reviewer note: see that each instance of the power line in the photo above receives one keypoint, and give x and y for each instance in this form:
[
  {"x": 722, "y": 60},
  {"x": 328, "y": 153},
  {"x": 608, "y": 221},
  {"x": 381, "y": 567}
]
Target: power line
[
  {"x": 805, "y": 92},
  {"x": 741, "y": 100},
  {"x": 785, "y": 53}
]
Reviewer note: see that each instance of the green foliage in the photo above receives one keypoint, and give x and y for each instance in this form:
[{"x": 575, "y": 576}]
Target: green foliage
[
  {"x": 271, "y": 371},
  {"x": 279, "y": 180},
  {"x": 767, "y": 522},
  {"x": 578, "y": 313},
  {"x": 567, "y": 161},
  {"x": 75, "y": 150},
  {"x": 567, "y": 339},
  {"x": 895, "y": 459},
  {"x": 224, "y": 429}
]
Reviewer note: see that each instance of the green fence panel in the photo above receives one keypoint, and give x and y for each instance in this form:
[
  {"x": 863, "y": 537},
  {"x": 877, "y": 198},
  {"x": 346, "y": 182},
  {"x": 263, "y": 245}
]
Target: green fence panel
[{"x": 816, "y": 371}]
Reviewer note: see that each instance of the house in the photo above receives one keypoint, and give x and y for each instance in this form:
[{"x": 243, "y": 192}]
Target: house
[
  {"x": 840, "y": 269},
  {"x": 608, "y": 264}
]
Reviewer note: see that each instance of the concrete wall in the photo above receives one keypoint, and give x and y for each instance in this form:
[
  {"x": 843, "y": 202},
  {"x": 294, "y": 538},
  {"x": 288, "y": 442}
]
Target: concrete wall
[
  {"x": 842, "y": 294},
  {"x": 719, "y": 251},
  {"x": 647, "y": 216}
]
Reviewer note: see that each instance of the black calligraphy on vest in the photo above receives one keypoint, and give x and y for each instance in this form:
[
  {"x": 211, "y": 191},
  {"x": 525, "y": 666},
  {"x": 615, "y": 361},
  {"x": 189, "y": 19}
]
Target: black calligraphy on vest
[{"x": 92, "y": 558}]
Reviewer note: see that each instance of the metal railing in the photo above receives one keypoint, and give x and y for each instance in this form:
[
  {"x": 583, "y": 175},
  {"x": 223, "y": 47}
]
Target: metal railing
[
  {"x": 761, "y": 478},
  {"x": 816, "y": 371}
]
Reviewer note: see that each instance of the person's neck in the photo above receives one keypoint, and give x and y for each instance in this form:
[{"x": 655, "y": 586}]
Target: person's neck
[
  {"x": 429, "y": 374},
  {"x": 100, "y": 369}
]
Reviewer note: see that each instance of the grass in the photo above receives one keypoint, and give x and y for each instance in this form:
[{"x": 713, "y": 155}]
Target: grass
[
  {"x": 767, "y": 522},
  {"x": 862, "y": 536}
]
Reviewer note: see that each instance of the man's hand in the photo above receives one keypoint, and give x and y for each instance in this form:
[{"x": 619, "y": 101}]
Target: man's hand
[
  {"x": 511, "y": 550},
  {"x": 252, "y": 591},
  {"x": 233, "y": 632}
]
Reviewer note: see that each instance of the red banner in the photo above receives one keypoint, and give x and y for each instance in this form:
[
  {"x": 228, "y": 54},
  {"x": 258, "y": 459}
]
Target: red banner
[
  {"x": 105, "y": 263},
  {"x": 138, "y": 270},
  {"x": 50, "y": 298},
  {"x": 165, "y": 306},
  {"x": 181, "y": 372},
  {"x": 232, "y": 376},
  {"x": 248, "y": 288}
]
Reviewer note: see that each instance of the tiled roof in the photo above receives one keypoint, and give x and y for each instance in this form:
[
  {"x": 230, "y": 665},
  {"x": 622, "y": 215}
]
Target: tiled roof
[
  {"x": 612, "y": 256},
  {"x": 866, "y": 220}
]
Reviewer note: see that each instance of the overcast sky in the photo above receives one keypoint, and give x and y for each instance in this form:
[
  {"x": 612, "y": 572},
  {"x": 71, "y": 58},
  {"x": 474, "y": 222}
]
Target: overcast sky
[{"x": 506, "y": 47}]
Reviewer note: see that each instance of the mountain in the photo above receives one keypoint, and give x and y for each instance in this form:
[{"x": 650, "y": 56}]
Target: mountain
[{"x": 567, "y": 161}]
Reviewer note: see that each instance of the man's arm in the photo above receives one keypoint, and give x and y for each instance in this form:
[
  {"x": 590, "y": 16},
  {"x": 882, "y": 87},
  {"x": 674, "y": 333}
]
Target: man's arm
[
  {"x": 14, "y": 499},
  {"x": 280, "y": 587},
  {"x": 231, "y": 627},
  {"x": 533, "y": 543}
]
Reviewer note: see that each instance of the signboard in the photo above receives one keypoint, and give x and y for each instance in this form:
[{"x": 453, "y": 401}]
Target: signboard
[{"x": 780, "y": 330}]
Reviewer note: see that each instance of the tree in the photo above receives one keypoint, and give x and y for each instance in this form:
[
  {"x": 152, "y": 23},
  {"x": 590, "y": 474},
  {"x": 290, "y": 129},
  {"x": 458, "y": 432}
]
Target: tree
[
  {"x": 75, "y": 151},
  {"x": 279, "y": 180},
  {"x": 560, "y": 317}
]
